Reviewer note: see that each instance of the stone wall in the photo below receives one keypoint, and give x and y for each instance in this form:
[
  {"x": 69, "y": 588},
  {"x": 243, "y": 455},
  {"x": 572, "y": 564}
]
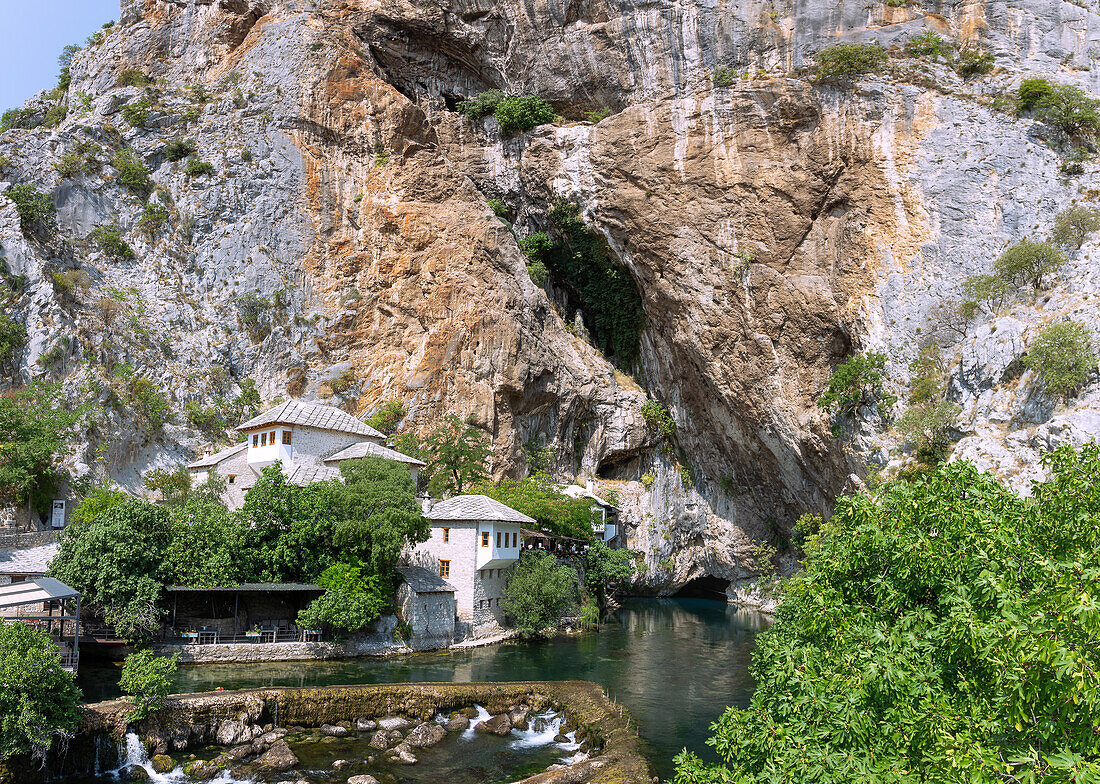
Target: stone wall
[
  {"x": 430, "y": 615},
  {"x": 461, "y": 551}
]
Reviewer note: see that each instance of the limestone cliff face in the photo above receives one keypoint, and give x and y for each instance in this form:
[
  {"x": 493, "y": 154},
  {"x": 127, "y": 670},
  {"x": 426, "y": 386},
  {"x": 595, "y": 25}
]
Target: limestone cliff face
[{"x": 771, "y": 227}]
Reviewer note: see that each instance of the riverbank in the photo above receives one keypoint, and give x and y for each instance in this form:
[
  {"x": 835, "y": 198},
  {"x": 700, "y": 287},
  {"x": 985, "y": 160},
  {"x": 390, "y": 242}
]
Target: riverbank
[{"x": 235, "y": 721}]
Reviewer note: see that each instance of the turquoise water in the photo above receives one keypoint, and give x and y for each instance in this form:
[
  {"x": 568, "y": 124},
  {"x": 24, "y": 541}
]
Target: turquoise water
[{"x": 674, "y": 663}]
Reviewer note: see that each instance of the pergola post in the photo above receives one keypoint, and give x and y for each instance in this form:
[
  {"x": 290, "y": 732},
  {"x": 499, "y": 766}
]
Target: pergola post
[{"x": 76, "y": 635}]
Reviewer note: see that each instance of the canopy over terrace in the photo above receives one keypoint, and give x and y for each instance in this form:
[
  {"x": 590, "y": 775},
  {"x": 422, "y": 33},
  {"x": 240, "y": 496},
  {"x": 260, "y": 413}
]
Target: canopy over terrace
[
  {"x": 45, "y": 592},
  {"x": 269, "y": 608}
]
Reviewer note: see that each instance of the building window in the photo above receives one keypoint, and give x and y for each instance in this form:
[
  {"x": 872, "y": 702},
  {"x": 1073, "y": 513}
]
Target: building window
[
  {"x": 446, "y": 535},
  {"x": 272, "y": 439},
  {"x": 444, "y": 569},
  {"x": 232, "y": 478},
  {"x": 263, "y": 439},
  {"x": 498, "y": 539},
  {"x": 484, "y": 538},
  {"x": 514, "y": 535},
  {"x": 255, "y": 440},
  {"x": 286, "y": 437}
]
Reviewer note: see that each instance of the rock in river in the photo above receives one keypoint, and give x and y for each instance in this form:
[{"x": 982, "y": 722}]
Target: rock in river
[
  {"x": 363, "y": 779},
  {"x": 403, "y": 754},
  {"x": 366, "y": 725},
  {"x": 457, "y": 723},
  {"x": 278, "y": 757},
  {"x": 393, "y": 723},
  {"x": 162, "y": 763},
  {"x": 334, "y": 731},
  {"x": 497, "y": 725},
  {"x": 425, "y": 735}
]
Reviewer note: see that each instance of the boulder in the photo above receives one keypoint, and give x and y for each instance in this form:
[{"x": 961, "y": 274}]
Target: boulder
[
  {"x": 162, "y": 763},
  {"x": 363, "y": 779},
  {"x": 200, "y": 770},
  {"x": 231, "y": 733},
  {"x": 340, "y": 764},
  {"x": 242, "y": 751},
  {"x": 383, "y": 739},
  {"x": 278, "y": 757},
  {"x": 403, "y": 754},
  {"x": 497, "y": 725},
  {"x": 518, "y": 717},
  {"x": 457, "y": 723},
  {"x": 366, "y": 725},
  {"x": 425, "y": 735},
  {"x": 133, "y": 773},
  {"x": 393, "y": 723},
  {"x": 469, "y": 713},
  {"x": 334, "y": 730}
]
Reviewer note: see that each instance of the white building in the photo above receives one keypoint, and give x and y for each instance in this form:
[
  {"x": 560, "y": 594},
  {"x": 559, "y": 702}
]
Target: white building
[
  {"x": 474, "y": 541},
  {"x": 309, "y": 440},
  {"x": 605, "y": 515}
]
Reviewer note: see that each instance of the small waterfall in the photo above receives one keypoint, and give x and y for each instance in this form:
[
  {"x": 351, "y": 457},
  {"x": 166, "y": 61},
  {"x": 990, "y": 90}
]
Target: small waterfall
[
  {"x": 482, "y": 715},
  {"x": 541, "y": 731},
  {"x": 135, "y": 754}
]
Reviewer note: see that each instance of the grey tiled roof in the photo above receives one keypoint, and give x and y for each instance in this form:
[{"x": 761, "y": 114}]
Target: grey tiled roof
[
  {"x": 476, "y": 507},
  {"x": 29, "y": 560},
  {"x": 424, "y": 580},
  {"x": 217, "y": 457},
  {"x": 369, "y": 448},
  {"x": 323, "y": 417},
  {"x": 306, "y": 474}
]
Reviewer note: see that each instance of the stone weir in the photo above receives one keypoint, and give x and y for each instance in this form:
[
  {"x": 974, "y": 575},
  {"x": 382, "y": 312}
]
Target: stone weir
[{"x": 239, "y": 720}]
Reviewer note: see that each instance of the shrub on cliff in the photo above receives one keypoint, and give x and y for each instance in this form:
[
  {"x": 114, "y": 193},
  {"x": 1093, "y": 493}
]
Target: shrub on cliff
[
  {"x": 178, "y": 149},
  {"x": 109, "y": 240},
  {"x": 481, "y": 105},
  {"x": 146, "y": 679},
  {"x": 1072, "y": 110},
  {"x": 855, "y": 381},
  {"x": 1073, "y": 226},
  {"x": 942, "y": 630},
  {"x": 848, "y": 60},
  {"x": 36, "y": 210},
  {"x": 39, "y": 701},
  {"x": 1032, "y": 92},
  {"x": 1062, "y": 355},
  {"x": 131, "y": 171},
  {"x": 1029, "y": 262},
  {"x": 13, "y": 336},
  {"x": 522, "y": 113}
]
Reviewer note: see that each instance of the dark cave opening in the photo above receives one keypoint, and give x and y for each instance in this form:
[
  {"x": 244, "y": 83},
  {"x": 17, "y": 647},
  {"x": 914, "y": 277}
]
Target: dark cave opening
[{"x": 704, "y": 587}]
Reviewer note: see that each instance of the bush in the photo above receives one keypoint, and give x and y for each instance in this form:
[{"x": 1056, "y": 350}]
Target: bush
[
  {"x": 153, "y": 217},
  {"x": 539, "y": 593},
  {"x": 598, "y": 115},
  {"x": 350, "y": 603},
  {"x": 149, "y": 402},
  {"x": 136, "y": 114},
  {"x": 988, "y": 291},
  {"x": 174, "y": 485},
  {"x": 1073, "y": 226},
  {"x": 109, "y": 240},
  {"x": 40, "y": 702},
  {"x": 36, "y": 210},
  {"x": 937, "y": 632},
  {"x": 538, "y": 273},
  {"x": 208, "y": 419},
  {"x": 1072, "y": 110},
  {"x": 658, "y": 418},
  {"x": 146, "y": 679},
  {"x": 846, "y": 60},
  {"x": 385, "y": 419},
  {"x": 926, "y": 425},
  {"x": 855, "y": 381},
  {"x": 131, "y": 171},
  {"x": 82, "y": 160},
  {"x": 13, "y": 336},
  {"x": 724, "y": 76},
  {"x": 133, "y": 77},
  {"x": 18, "y": 118},
  {"x": 485, "y": 103},
  {"x": 1062, "y": 355},
  {"x": 538, "y": 497},
  {"x": 178, "y": 149},
  {"x": 1029, "y": 262},
  {"x": 536, "y": 245},
  {"x": 522, "y": 113},
  {"x": 343, "y": 382},
  {"x": 198, "y": 168},
  {"x": 927, "y": 44},
  {"x": 1032, "y": 92},
  {"x": 973, "y": 62},
  {"x": 499, "y": 208}
]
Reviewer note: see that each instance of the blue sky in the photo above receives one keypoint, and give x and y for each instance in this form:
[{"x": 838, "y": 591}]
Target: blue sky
[{"x": 32, "y": 35}]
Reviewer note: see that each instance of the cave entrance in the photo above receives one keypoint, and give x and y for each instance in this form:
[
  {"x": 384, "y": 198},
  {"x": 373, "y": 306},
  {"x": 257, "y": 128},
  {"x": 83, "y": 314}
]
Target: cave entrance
[{"x": 705, "y": 587}]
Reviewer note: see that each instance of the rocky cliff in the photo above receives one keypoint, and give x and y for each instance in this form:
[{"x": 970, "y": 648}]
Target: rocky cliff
[{"x": 771, "y": 224}]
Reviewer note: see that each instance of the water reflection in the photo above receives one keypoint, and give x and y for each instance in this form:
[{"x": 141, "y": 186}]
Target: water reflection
[{"x": 675, "y": 663}]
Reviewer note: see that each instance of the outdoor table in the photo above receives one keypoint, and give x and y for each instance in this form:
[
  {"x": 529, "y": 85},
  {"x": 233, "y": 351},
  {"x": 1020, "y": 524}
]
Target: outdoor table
[
  {"x": 254, "y": 636},
  {"x": 190, "y": 637},
  {"x": 312, "y": 634},
  {"x": 208, "y": 635}
]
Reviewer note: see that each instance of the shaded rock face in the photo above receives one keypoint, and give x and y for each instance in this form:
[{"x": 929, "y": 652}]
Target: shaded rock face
[{"x": 771, "y": 227}]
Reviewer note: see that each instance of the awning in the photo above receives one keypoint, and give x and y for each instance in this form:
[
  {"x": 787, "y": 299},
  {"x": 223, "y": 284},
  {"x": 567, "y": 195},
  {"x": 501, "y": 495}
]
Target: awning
[
  {"x": 251, "y": 588},
  {"x": 43, "y": 589}
]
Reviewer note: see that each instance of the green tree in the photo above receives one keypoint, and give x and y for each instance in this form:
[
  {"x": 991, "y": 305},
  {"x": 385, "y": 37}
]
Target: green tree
[
  {"x": 847, "y": 60},
  {"x": 941, "y": 630},
  {"x": 381, "y": 514},
  {"x": 1032, "y": 92},
  {"x": 484, "y": 103},
  {"x": 350, "y": 603},
  {"x": 96, "y": 503},
  {"x": 1062, "y": 355},
  {"x": 146, "y": 679},
  {"x": 1029, "y": 262},
  {"x": 1074, "y": 224},
  {"x": 36, "y": 210},
  {"x": 989, "y": 291},
  {"x": 457, "y": 453},
  {"x": 536, "y": 245},
  {"x": 856, "y": 381},
  {"x": 205, "y": 544},
  {"x": 522, "y": 113},
  {"x": 40, "y": 702},
  {"x": 927, "y": 426},
  {"x": 1070, "y": 109},
  {"x": 539, "y": 593},
  {"x": 35, "y": 425},
  {"x": 115, "y": 561},
  {"x": 174, "y": 485},
  {"x": 605, "y": 571},
  {"x": 537, "y": 496},
  {"x": 132, "y": 172},
  {"x": 385, "y": 419}
]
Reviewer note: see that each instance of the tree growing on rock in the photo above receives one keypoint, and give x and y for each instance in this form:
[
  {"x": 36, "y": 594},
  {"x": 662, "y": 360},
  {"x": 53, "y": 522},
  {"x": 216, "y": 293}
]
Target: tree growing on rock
[
  {"x": 146, "y": 679},
  {"x": 1073, "y": 226},
  {"x": 457, "y": 452},
  {"x": 1062, "y": 355},
  {"x": 1029, "y": 262},
  {"x": 856, "y": 381},
  {"x": 605, "y": 571}
]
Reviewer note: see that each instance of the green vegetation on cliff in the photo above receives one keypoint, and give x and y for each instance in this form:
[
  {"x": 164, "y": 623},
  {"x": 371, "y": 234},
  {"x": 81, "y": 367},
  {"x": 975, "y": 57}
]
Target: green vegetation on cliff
[{"x": 943, "y": 629}]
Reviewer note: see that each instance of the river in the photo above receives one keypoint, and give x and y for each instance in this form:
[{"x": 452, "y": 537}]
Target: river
[{"x": 674, "y": 663}]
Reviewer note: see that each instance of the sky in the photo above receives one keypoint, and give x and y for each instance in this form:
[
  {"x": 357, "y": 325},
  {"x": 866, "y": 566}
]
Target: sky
[{"x": 32, "y": 35}]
